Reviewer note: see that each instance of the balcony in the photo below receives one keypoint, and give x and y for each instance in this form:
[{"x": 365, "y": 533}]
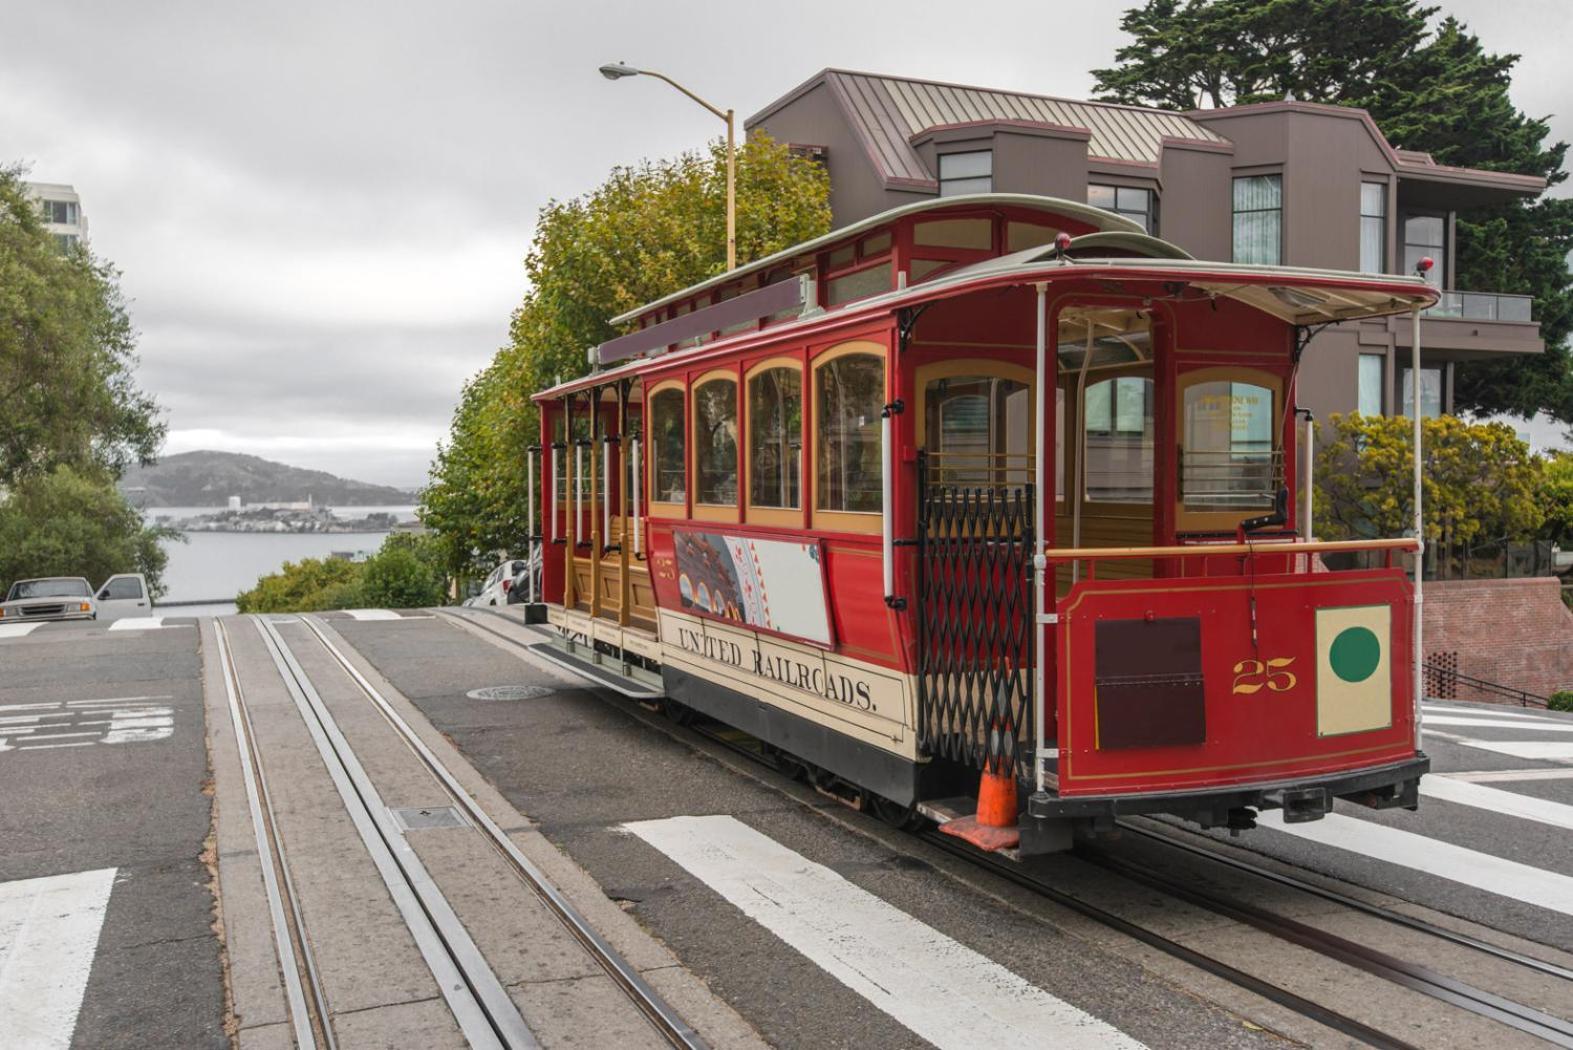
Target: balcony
[{"x": 1483, "y": 306}]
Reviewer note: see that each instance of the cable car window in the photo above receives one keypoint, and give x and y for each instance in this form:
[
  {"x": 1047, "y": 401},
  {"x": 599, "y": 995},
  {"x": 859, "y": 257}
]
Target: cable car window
[
  {"x": 859, "y": 284},
  {"x": 977, "y": 234},
  {"x": 1227, "y": 460},
  {"x": 849, "y": 396},
  {"x": 1059, "y": 444},
  {"x": 669, "y": 456},
  {"x": 979, "y": 430},
  {"x": 1118, "y": 431},
  {"x": 715, "y": 442},
  {"x": 775, "y": 435}
]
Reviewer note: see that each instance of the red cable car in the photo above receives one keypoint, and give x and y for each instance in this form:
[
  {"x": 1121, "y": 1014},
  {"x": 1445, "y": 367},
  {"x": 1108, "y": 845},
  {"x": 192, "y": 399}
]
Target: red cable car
[{"x": 983, "y": 492}]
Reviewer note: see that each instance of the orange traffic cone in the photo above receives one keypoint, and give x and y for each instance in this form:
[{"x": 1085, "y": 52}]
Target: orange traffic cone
[{"x": 993, "y": 826}]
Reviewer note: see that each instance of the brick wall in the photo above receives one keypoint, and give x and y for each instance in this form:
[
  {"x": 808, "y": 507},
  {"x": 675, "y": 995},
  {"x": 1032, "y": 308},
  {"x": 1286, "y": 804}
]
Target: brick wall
[{"x": 1517, "y": 633}]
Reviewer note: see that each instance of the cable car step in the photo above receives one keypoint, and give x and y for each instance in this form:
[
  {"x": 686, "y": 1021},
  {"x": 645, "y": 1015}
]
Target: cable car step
[{"x": 627, "y": 685}]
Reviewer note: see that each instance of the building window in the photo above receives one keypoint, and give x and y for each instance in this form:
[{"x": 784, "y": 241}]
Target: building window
[
  {"x": 1133, "y": 203},
  {"x": 849, "y": 396},
  {"x": 1373, "y": 227},
  {"x": 966, "y": 173},
  {"x": 1430, "y": 392},
  {"x": 64, "y": 213},
  {"x": 668, "y": 458},
  {"x": 775, "y": 436},
  {"x": 1119, "y": 435},
  {"x": 1372, "y": 372},
  {"x": 1258, "y": 219},
  {"x": 65, "y": 241},
  {"x": 1426, "y": 235},
  {"x": 715, "y": 442}
]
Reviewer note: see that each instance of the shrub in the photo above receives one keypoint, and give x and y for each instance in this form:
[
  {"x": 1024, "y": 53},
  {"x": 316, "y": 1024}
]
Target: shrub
[
  {"x": 1561, "y": 700},
  {"x": 403, "y": 574},
  {"x": 309, "y": 585}
]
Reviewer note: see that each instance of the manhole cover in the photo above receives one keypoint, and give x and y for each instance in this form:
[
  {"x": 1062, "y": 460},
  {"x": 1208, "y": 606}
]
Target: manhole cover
[
  {"x": 508, "y": 692},
  {"x": 429, "y": 817}
]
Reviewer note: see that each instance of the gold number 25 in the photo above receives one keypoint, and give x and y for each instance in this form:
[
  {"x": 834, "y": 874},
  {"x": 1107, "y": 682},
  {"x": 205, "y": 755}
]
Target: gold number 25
[{"x": 1251, "y": 676}]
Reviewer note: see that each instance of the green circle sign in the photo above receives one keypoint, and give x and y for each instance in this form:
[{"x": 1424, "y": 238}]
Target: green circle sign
[{"x": 1355, "y": 654}]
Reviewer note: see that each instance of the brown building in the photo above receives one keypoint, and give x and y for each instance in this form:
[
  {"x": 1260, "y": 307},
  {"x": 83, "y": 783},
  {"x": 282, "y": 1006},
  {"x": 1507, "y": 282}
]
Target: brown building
[{"x": 1290, "y": 183}]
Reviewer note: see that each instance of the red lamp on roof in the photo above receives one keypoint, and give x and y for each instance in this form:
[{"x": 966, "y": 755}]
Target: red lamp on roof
[
  {"x": 1423, "y": 267},
  {"x": 1062, "y": 244}
]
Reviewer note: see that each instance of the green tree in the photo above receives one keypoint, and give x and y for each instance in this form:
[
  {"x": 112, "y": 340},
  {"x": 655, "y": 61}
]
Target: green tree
[
  {"x": 308, "y": 585},
  {"x": 646, "y": 232},
  {"x": 1478, "y": 482},
  {"x": 75, "y": 523},
  {"x": 1555, "y": 497},
  {"x": 406, "y": 573},
  {"x": 1433, "y": 90},
  {"x": 68, "y": 394}
]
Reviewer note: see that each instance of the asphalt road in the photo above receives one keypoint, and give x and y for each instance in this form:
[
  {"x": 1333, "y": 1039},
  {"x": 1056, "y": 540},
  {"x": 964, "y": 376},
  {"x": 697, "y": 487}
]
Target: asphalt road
[{"x": 103, "y": 766}]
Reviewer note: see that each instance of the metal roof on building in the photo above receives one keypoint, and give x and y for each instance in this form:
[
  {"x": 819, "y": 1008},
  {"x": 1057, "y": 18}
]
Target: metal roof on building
[{"x": 889, "y": 112}]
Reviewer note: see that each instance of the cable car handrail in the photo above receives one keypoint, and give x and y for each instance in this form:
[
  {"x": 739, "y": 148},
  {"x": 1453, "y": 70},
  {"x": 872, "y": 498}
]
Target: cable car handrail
[{"x": 1266, "y": 546}]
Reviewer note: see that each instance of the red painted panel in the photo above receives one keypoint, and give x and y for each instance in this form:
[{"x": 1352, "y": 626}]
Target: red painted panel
[{"x": 1259, "y": 734}]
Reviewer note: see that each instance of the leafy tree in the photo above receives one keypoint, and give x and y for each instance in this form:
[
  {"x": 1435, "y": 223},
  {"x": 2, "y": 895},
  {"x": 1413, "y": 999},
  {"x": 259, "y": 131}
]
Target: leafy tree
[
  {"x": 1478, "y": 480},
  {"x": 646, "y": 232},
  {"x": 75, "y": 523},
  {"x": 67, "y": 355},
  {"x": 1434, "y": 90},
  {"x": 1555, "y": 497},
  {"x": 308, "y": 585},
  {"x": 406, "y": 573}
]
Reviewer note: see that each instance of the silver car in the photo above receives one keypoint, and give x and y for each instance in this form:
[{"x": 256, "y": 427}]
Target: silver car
[{"x": 50, "y": 598}]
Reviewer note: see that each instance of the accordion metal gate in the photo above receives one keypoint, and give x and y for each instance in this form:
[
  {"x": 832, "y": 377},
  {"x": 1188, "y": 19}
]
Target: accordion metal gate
[{"x": 975, "y": 616}]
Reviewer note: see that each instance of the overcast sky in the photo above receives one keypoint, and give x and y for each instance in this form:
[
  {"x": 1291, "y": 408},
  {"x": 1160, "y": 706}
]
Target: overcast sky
[{"x": 320, "y": 208}]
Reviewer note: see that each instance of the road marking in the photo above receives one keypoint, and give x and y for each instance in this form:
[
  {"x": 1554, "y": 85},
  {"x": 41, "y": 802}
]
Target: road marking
[
  {"x": 1508, "y": 878},
  {"x": 374, "y": 614},
  {"x": 145, "y": 623},
  {"x": 1489, "y": 776},
  {"x": 17, "y": 630},
  {"x": 48, "y": 936},
  {"x": 1484, "y": 711},
  {"x": 1510, "y": 803},
  {"x": 114, "y": 700},
  {"x": 1543, "y": 750},
  {"x": 1498, "y": 723},
  {"x": 942, "y": 990},
  {"x": 114, "y": 722}
]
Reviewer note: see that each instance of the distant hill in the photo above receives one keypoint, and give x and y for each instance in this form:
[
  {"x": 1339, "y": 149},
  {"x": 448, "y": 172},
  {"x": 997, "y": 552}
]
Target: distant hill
[{"x": 208, "y": 479}]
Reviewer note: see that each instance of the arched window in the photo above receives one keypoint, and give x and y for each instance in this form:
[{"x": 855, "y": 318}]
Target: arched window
[
  {"x": 849, "y": 394},
  {"x": 715, "y": 441},
  {"x": 668, "y": 454},
  {"x": 775, "y": 437}
]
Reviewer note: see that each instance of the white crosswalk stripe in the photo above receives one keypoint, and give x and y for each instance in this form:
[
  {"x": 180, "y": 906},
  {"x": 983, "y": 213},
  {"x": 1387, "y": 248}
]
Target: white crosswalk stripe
[
  {"x": 374, "y": 614},
  {"x": 17, "y": 630},
  {"x": 1496, "y": 800},
  {"x": 1518, "y": 725},
  {"x": 904, "y": 967},
  {"x": 48, "y": 936},
  {"x": 1483, "y": 871}
]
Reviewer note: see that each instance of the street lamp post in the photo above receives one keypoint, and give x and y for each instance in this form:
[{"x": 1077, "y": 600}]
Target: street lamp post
[{"x": 618, "y": 70}]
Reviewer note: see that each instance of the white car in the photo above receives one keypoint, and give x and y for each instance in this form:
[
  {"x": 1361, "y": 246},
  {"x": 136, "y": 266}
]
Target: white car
[
  {"x": 495, "y": 590},
  {"x": 73, "y": 598}
]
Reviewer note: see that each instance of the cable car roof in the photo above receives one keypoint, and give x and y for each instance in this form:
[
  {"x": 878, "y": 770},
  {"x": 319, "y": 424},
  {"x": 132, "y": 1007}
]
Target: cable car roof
[{"x": 1104, "y": 221}]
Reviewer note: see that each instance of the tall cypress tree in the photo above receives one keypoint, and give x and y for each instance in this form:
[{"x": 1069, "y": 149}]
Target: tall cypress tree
[{"x": 1436, "y": 90}]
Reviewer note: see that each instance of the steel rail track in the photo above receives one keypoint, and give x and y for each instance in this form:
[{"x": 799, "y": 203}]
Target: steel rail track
[
  {"x": 309, "y": 1017},
  {"x": 1463, "y": 940},
  {"x": 1014, "y": 873},
  {"x": 666, "y": 1020},
  {"x": 1552, "y": 1029},
  {"x": 480, "y": 1004}
]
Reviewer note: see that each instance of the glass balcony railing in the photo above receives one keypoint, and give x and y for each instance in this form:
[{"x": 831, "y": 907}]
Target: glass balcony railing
[{"x": 1483, "y": 306}]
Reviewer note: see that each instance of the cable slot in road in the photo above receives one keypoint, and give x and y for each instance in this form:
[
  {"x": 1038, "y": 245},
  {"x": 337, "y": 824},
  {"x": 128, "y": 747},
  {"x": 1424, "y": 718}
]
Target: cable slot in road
[
  {"x": 667, "y": 1021},
  {"x": 479, "y": 1003}
]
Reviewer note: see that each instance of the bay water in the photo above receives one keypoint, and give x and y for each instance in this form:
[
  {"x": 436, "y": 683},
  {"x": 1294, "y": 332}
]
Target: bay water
[{"x": 213, "y": 567}]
